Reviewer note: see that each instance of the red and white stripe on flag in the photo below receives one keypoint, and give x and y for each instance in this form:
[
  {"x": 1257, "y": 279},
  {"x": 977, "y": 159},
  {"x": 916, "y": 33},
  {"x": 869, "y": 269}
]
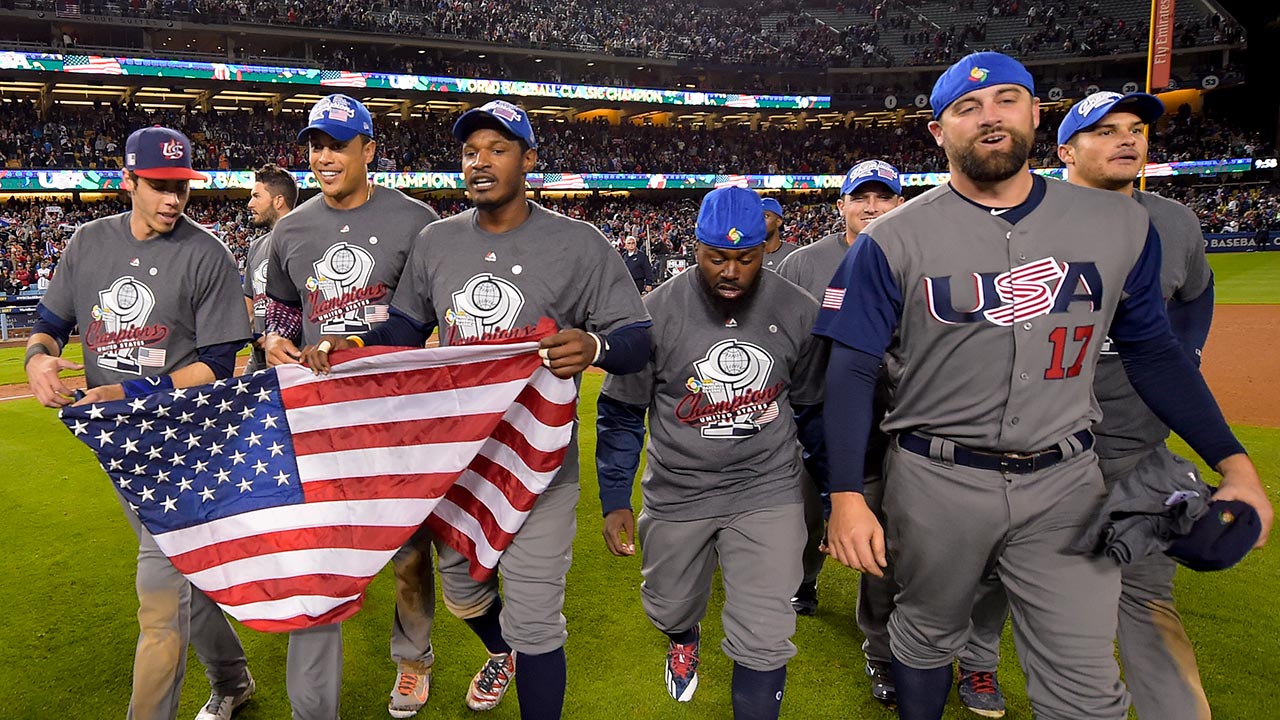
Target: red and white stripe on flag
[{"x": 833, "y": 298}]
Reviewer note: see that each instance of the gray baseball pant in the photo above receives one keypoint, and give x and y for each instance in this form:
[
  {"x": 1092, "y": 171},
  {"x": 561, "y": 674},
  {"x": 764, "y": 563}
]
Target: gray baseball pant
[
  {"x": 951, "y": 526},
  {"x": 757, "y": 552}
]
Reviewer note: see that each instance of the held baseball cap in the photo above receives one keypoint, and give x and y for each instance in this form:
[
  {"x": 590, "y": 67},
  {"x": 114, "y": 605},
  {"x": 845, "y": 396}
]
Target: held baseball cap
[
  {"x": 501, "y": 113},
  {"x": 1220, "y": 538},
  {"x": 340, "y": 117},
  {"x": 974, "y": 72},
  {"x": 871, "y": 171},
  {"x": 1086, "y": 113},
  {"x": 159, "y": 153},
  {"x": 731, "y": 218},
  {"x": 772, "y": 205}
]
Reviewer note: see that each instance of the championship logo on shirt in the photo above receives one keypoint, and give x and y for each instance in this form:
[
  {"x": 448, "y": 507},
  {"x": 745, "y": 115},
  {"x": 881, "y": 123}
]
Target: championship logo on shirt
[
  {"x": 260, "y": 290},
  {"x": 119, "y": 333},
  {"x": 342, "y": 300},
  {"x": 486, "y": 304},
  {"x": 729, "y": 395}
]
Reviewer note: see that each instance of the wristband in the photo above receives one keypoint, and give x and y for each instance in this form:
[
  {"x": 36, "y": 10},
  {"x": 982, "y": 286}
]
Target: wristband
[
  {"x": 141, "y": 387},
  {"x": 599, "y": 348},
  {"x": 34, "y": 350},
  {"x": 355, "y": 340}
]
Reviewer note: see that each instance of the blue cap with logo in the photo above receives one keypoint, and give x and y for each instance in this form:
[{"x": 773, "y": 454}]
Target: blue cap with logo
[
  {"x": 974, "y": 72},
  {"x": 512, "y": 118},
  {"x": 1086, "y": 113},
  {"x": 772, "y": 205},
  {"x": 340, "y": 117},
  {"x": 731, "y": 218},
  {"x": 871, "y": 171},
  {"x": 159, "y": 153},
  {"x": 1220, "y": 538}
]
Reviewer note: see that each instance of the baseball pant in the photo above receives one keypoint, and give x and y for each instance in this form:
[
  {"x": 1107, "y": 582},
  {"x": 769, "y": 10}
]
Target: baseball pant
[
  {"x": 165, "y": 608},
  {"x": 313, "y": 672},
  {"x": 415, "y": 600},
  {"x": 875, "y": 594},
  {"x": 951, "y": 526},
  {"x": 533, "y": 570},
  {"x": 1158, "y": 658},
  {"x": 757, "y": 553},
  {"x": 815, "y": 523}
]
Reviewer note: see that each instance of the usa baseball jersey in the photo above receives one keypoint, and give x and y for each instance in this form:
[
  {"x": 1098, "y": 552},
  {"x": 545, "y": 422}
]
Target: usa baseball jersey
[
  {"x": 474, "y": 284},
  {"x": 719, "y": 393},
  {"x": 1127, "y": 425},
  {"x": 994, "y": 344},
  {"x": 343, "y": 265},
  {"x": 774, "y": 259},
  {"x": 255, "y": 288},
  {"x": 812, "y": 266},
  {"x": 145, "y": 306}
]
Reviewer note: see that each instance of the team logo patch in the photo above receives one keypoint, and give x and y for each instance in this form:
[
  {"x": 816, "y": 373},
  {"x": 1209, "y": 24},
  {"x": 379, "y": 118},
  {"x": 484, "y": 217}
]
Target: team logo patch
[
  {"x": 977, "y": 74},
  {"x": 729, "y": 393},
  {"x": 172, "y": 150},
  {"x": 1095, "y": 101},
  {"x": 506, "y": 111},
  {"x": 734, "y": 236},
  {"x": 1226, "y": 517},
  {"x": 1003, "y": 298}
]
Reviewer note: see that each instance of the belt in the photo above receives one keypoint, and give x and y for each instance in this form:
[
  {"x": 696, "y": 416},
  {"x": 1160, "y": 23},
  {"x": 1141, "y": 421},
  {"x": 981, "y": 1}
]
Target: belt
[{"x": 1010, "y": 462}]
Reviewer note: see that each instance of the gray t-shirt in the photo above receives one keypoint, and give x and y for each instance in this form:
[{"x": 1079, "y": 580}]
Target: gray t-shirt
[
  {"x": 719, "y": 394},
  {"x": 255, "y": 288},
  {"x": 774, "y": 259},
  {"x": 812, "y": 266},
  {"x": 1128, "y": 426},
  {"x": 145, "y": 306},
  {"x": 343, "y": 266},
  {"x": 474, "y": 284}
]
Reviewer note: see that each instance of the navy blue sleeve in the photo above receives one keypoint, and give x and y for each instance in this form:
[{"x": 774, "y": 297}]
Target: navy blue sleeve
[
  {"x": 51, "y": 324},
  {"x": 1141, "y": 314},
  {"x": 863, "y": 304},
  {"x": 619, "y": 440},
  {"x": 1191, "y": 321},
  {"x": 399, "y": 330},
  {"x": 848, "y": 415},
  {"x": 220, "y": 358},
  {"x": 809, "y": 429},
  {"x": 1156, "y": 364},
  {"x": 626, "y": 350}
]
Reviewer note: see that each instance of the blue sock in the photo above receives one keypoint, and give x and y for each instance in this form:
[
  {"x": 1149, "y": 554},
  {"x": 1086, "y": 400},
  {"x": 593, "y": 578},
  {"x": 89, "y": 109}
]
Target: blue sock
[
  {"x": 540, "y": 682},
  {"x": 757, "y": 695},
  {"x": 684, "y": 637},
  {"x": 489, "y": 630},
  {"x": 922, "y": 694}
]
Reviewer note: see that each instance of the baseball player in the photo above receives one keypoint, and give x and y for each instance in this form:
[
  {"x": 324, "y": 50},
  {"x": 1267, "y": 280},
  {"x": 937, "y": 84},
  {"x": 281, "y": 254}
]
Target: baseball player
[
  {"x": 274, "y": 195},
  {"x": 775, "y": 250},
  {"x": 990, "y": 341},
  {"x": 870, "y": 189},
  {"x": 731, "y": 347},
  {"x": 498, "y": 267},
  {"x": 1101, "y": 142},
  {"x": 157, "y": 300},
  {"x": 333, "y": 266}
]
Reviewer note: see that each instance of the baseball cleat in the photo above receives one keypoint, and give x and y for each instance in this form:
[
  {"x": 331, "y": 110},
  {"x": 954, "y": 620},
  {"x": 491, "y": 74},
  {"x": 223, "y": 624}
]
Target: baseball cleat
[
  {"x": 491, "y": 683},
  {"x": 806, "y": 600},
  {"x": 222, "y": 707},
  {"x": 882, "y": 687},
  {"x": 979, "y": 691},
  {"x": 413, "y": 686},
  {"x": 682, "y": 667}
]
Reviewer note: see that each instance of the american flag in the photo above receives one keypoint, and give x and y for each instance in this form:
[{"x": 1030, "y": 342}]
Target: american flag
[
  {"x": 563, "y": 181},
  {"x": 151, "y": 357},
  {"x": 91, "y": 64},
  {"x": 376, "y": 313},
  {"x": 833, "y": 298},
  {"x": 342, "y": 78},
  {"x": 730, "y": 181},
  {"x": 68, "y": 9},
  {"x": 281, "y": 494}
]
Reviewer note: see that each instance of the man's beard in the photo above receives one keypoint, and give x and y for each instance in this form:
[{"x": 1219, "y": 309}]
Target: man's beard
[
  {"x": 725, "y": 307},
  {"x": 995, "y": 166}
]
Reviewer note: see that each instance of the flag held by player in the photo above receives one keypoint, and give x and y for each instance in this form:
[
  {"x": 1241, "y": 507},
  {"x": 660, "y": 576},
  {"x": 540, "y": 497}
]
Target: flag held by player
[{"x": 282, "y": 494}]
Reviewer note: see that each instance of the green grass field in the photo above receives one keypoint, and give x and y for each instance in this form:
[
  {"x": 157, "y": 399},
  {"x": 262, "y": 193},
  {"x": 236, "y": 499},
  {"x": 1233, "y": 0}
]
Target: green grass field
[
  {"x": 66, "y": 648},
  {"x": 1246, "y": 278}
]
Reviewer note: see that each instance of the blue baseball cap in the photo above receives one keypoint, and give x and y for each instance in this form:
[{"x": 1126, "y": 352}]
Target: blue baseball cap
[
  {"x": 159, "y": 153},
  {"x": 772, "y": 205},
  {"x": 1220, "y": 538},
  {"x": 512, "y": 118},
  {"x": 974, "y": 72},
  {"x": 871, "y": 171},
  {"x": 340, "y": 117},
  {"x": 731, "y": 218},
  {"x": 1086, "y": 113}
]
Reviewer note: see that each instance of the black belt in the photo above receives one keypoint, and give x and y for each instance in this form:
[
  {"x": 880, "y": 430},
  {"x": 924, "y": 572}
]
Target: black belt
[{"x": 1012, "y": 462}]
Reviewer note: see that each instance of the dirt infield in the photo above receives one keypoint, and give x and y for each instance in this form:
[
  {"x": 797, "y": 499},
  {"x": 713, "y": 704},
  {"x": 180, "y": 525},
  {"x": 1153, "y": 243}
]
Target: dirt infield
[{"x": 1241, "y": 362}]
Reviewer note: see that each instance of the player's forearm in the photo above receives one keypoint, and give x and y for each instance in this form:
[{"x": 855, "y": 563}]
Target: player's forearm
[
  {"x": 197, "y": 373},
  {"x": 848, "y": 414},
  {"x": 54, "y": 329},
  {"x": 619, "y": 440},
  {"x": 48, "y": 342},
  {"x": 283, "y": 319},
  {"x": 1191, "y": 321},
  {"x": 626, "y": 350}
]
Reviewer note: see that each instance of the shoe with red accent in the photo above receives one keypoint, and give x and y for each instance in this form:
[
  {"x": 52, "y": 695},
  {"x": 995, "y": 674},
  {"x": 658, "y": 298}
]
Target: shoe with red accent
[
  {"x": 682, "y": 667},
  {"x": 413, "y": 686},
  {"x": 979, "y": 691},
  {"x": 491, "y": 683}
]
